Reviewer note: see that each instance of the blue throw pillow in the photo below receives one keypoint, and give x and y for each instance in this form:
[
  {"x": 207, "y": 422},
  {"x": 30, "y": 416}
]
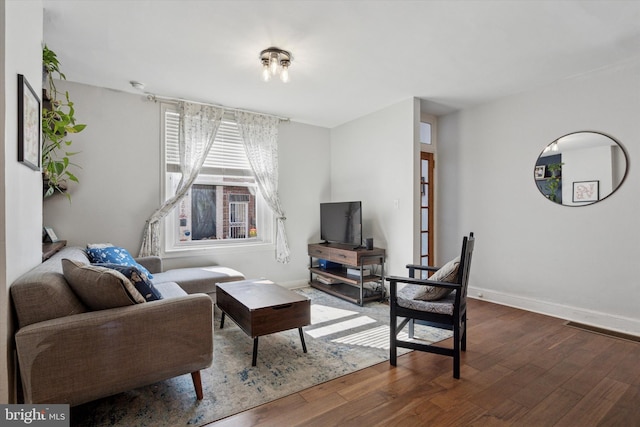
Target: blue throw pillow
[
  {"x": 115, "y": 255},
  {"x": 139, "y": 279}
]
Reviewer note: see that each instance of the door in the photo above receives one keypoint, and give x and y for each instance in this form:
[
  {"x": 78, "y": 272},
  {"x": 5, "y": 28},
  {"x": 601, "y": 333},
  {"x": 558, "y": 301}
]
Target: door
[{"x": 427, "y": 209}]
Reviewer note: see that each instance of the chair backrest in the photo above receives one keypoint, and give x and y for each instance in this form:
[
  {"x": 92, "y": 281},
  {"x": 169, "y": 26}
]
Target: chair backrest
[{"x": 465, "y": 265}]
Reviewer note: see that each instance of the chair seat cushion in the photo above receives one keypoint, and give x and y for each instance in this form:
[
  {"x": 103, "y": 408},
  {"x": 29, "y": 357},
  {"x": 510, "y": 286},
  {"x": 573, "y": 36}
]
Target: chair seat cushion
[{"x": 442, "y": 306}]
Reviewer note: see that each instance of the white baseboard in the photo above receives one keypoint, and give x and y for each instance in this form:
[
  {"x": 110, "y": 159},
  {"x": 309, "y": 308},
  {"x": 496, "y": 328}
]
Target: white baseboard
[
  {"x": 608, "y": 321},
  {"x": 295, "y": 284}
]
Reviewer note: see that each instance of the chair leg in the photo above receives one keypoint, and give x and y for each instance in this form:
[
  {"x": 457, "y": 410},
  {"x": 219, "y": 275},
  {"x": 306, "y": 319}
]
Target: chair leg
[
  {"x": 463, "y": 345},
  {"x": 411, "y": 328},
  {"x": 393, "y": 351},
  {"x": 197, "y": 384},
  {"x": 456, "y": 350}
]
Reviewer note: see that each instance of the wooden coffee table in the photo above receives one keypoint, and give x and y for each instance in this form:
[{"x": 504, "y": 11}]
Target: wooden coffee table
[{"x": 261, "y": 307}]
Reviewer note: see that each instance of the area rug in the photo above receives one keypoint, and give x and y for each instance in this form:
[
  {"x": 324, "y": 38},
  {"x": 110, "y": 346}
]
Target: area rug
[{"x": 343, "y": 338}]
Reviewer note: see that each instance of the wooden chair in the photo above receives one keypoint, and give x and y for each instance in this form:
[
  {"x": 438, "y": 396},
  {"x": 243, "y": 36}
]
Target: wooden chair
[{"x": 449, "y": 312}]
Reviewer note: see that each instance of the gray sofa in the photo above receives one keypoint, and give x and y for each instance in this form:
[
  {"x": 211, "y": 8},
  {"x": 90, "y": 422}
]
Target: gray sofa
[{"x": 68, "y": 353}]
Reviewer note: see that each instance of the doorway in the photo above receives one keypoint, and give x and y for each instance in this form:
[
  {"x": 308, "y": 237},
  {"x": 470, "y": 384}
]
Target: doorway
[{"x": 427, "y": 210}]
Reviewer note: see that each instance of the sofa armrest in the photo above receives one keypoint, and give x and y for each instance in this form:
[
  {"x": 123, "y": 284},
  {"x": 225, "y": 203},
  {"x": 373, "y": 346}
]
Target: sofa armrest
[
  {"x": 151, "y": 263},
  {"x": 83, "y": 357}
]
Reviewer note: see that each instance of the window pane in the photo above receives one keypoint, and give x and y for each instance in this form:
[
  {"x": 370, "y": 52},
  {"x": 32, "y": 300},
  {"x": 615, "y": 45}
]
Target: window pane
[
  {"x": 424, "y": 226},
  {"x": 425, "y": 244},
  {"x": 424, "y": 261},
  {"x": 424, "y": 200},
  {"x": 424, "y": 170},
  {"x": 203, "y": 212},
  {"x": 425, "y": 133}
]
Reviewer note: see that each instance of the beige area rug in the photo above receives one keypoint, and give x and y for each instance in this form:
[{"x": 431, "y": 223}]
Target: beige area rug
[{"x": 342, "y": 339}]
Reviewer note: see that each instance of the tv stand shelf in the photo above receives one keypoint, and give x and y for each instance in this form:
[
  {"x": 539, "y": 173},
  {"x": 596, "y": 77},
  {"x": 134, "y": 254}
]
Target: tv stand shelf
[{"x": 357, "y": 289}]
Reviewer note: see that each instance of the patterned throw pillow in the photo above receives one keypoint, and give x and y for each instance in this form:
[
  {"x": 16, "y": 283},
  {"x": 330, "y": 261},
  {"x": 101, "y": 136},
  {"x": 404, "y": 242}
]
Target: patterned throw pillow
[
  {"x": 99, "y": 245},
  {"x": 100, "y": 288},
  {"x": 138, "y": 278},
  {"x": 114, "y": 255},
  {"x": 446, "y": 273}
]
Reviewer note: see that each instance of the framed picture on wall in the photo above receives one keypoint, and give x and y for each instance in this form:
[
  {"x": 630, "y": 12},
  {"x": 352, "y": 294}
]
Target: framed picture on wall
[
  {"x": 586, "y": 191},
  {"x": 539, "y": 172},
  {"x": 49, "y": 235},
  {"x": 28, "y": 124}
]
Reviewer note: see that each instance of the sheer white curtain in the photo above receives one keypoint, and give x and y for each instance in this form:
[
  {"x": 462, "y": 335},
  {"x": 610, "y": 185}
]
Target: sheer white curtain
[
  {"x": 260, "y": 136},
  {"x": 198, "y": 127}
]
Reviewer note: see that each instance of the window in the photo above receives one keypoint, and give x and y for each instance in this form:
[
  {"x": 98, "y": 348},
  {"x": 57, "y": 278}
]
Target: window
[
  {"x": 425, "y": 133},
  {"x": 223, "y": 206}
]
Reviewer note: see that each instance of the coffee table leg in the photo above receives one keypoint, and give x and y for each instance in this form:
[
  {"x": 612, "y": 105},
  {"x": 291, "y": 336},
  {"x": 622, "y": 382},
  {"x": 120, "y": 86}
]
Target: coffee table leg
[
  {"x": 255, "y": 351},
  {"x": 304, "y": 346},
  {"x": 222, "y": 321}
]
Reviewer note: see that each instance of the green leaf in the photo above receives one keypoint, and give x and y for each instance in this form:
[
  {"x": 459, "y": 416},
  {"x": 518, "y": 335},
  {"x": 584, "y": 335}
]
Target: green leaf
[{"x": 58, "y": 121}]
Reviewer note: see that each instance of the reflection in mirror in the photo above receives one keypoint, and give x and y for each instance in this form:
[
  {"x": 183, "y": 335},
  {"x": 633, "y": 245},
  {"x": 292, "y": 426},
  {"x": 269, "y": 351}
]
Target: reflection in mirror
[{"x": 580, "y": 168}]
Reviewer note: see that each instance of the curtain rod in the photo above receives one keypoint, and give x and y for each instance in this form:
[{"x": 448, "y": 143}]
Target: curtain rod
[{"x": 156, "y": 98}]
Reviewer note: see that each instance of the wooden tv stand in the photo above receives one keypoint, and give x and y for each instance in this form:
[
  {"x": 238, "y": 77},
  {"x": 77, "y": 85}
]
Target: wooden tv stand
[{"x": 355, "y": 288}]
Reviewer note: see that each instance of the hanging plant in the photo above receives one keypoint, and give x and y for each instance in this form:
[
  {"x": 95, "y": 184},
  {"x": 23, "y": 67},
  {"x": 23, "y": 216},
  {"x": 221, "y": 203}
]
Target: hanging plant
[
  {"x": 58, "y": 122},
  {"x": 553, "y": 183}
]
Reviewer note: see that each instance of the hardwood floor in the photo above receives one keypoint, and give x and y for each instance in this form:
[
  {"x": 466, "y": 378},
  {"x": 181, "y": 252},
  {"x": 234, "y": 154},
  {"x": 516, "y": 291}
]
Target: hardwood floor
[{"x": 520, "y": 369}]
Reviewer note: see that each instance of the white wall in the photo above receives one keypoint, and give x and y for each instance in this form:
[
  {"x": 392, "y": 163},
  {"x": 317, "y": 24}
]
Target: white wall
[
  {"x": 120, "y": 169},
  {"x": 120, "y": 184},
  {"x": 573, "y": 262},
  {"x": 375, "y": 159},
  {"x": 20, "y": 202}
]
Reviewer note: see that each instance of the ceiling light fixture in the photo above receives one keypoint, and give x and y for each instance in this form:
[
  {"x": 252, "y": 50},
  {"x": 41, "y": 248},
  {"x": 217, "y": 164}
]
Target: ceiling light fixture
[{"x": 274, "y": 61}]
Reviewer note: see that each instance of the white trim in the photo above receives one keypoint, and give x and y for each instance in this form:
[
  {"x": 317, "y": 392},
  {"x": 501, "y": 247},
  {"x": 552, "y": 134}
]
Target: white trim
[
  {"x": 295, "y": 284},
  {"x": 231, "y": 248},
  {"x": 609, "y": 321}
]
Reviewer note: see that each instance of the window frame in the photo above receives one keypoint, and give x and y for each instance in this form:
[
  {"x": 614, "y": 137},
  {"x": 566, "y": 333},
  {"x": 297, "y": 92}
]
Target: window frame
[{"x": 169, "y": 239}]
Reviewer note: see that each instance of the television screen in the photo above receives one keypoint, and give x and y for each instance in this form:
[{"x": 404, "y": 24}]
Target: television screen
[{"x": 341, "y": 222}]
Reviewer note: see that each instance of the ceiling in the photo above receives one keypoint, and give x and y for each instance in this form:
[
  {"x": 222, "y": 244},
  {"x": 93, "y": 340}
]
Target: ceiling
[{"x": 350, "y": 58}]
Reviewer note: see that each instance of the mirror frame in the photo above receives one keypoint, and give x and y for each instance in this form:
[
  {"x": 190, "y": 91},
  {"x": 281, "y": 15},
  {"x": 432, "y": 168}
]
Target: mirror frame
[{"x": 537, "y": 177}]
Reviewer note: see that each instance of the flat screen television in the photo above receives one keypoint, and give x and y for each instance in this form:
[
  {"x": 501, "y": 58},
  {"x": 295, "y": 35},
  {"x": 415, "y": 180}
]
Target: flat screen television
[{"x": 341, "y": 222}]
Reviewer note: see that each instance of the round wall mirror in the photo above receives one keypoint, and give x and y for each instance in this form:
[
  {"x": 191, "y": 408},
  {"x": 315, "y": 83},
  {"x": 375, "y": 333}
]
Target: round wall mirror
[{"x": 580, "y": 169}]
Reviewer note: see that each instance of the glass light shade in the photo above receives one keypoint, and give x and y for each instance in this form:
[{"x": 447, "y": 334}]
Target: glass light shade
[
  {"x": 274, "y": 63},
  {"x": 266, "y": 74},
  {"x": 284, "y": 74}
]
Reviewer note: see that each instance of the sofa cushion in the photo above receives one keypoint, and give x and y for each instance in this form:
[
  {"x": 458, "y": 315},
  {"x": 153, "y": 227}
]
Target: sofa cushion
[
  {"x": 100, "y": 288},
  {"x": 446, "y": 273},
  {"x": 199, "y": 279},
  {"x": 170, "y": 290},
  {"x": 138, "y": 278},
  {"x": 101, "y": 253},
  {"x": 32, "y": 292}
]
